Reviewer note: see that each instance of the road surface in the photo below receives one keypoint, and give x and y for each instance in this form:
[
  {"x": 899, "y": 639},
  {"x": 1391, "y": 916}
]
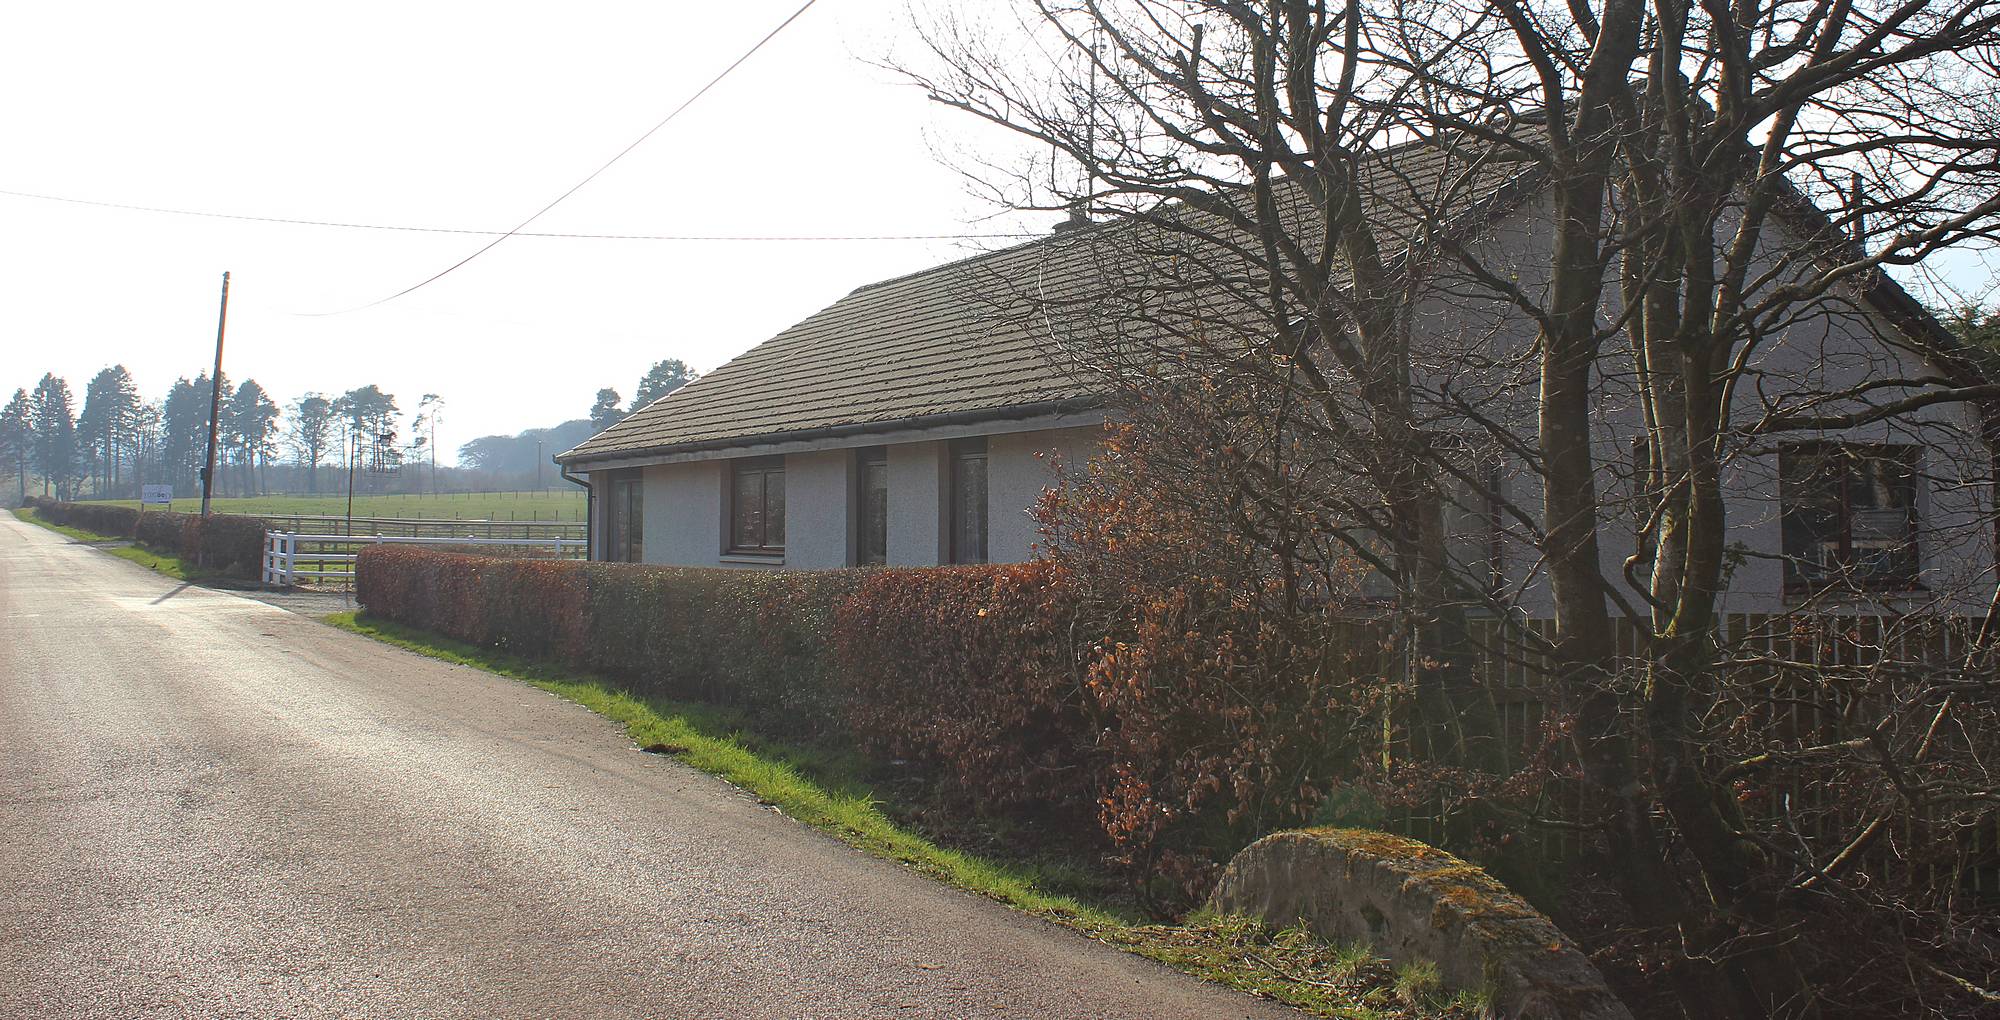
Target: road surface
[{"x": 211, "y": 807}]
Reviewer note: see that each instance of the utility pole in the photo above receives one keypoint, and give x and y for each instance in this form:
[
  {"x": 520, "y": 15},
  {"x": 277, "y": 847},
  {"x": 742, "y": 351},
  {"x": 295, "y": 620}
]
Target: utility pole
[
  {"x": 353, "y": 454},
  {"x": 214, "y": 399}
]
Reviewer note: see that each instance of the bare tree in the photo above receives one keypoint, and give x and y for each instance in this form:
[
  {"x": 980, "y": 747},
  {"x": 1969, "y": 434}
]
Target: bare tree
[{"x": 1365, "y": 252}]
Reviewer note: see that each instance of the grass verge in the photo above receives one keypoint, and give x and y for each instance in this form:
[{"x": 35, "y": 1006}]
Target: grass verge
[
  {"x": 123, "y": 548},
  {"x": 828, "y": 791}
]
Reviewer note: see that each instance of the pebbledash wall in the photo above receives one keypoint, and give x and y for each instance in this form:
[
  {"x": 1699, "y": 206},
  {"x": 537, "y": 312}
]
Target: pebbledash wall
[{"x": 685, "y": 498}]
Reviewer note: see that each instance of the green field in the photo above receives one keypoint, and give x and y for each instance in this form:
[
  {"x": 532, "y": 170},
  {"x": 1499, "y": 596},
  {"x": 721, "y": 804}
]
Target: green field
[{"x": 554, "y": 505}]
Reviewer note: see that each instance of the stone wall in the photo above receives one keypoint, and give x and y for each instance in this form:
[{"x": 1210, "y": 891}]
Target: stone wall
[{"x": 1410, "y": 901}]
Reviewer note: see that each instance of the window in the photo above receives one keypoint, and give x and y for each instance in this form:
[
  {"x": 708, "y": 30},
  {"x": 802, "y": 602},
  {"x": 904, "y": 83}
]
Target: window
[
  {"x": 1473, "y": 516},
  {"x": 1481, "y": 502},
  {"x": 871, "y": 544},
  {"x": 1849, "y": 515},
  {"x": 626, "y": 519},
  {"x": 757, "y": 506},
  {"x": 968, "y": 501}
]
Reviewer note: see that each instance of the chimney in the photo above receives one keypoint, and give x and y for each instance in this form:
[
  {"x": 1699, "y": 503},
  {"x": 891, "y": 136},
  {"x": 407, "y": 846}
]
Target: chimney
[{"x": 1078, "y": 218}]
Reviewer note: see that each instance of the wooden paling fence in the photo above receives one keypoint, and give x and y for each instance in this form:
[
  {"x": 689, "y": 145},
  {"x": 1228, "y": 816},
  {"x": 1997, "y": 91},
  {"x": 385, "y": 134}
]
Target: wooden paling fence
[{"x": 1794, "y": 684}]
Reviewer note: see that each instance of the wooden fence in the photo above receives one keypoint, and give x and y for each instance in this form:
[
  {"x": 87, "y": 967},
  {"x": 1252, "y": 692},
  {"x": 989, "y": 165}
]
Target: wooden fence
[
  {"x": 1793, "y": 682},
  {"x": 411, "y": 527}
]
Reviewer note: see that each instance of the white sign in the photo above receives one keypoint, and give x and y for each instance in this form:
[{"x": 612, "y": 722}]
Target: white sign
[{"x": 156, "y": 495}]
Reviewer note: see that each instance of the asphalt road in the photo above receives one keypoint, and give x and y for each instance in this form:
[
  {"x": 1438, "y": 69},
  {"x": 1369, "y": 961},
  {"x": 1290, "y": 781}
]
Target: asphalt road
[{"x": 212, "y": 807}]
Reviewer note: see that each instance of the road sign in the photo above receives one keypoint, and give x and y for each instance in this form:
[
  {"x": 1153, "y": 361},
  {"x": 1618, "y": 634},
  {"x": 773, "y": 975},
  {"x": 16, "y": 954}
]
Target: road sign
[{"x": 156, "y": 495}]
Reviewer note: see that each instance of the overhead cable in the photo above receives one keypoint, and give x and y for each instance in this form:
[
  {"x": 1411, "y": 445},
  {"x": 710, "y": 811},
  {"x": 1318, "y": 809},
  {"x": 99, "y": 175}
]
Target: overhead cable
[
  {"x": 409, "y": 228},
  {"x": 523, "y": 225}
]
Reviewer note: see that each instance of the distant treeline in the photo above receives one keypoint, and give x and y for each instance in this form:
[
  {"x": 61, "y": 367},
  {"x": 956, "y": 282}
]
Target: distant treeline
[{"x": 117, "y": 441}]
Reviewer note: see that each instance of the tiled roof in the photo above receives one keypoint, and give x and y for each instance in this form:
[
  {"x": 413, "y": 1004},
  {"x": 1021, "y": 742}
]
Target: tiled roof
[{"x": 961, "y": 341}]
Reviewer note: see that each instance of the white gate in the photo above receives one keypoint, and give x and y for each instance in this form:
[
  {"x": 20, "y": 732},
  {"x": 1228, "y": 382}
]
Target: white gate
[{"x": 290, "y": 557}]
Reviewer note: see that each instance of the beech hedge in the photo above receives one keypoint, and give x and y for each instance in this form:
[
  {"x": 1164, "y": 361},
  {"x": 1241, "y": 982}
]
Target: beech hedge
[
  {"x": 974, "y": 671},
  {"x": 219, "y": 543},
  {"x": 752, "y": 641},
  {"x": 965, "y": 669},
  {"x": 991, "y": 677}
]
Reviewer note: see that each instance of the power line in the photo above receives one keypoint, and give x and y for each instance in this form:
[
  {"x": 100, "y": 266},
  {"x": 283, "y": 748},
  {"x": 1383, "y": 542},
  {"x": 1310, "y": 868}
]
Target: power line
[
  {"x": 690, "y": 101},
  {"x": 407, "y": 228}
]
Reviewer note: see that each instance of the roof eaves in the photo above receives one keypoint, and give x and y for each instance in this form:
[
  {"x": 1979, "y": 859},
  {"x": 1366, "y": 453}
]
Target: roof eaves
[
  {"x": 1967, "y": 364},
  {"x": 1011, "y": 412}
]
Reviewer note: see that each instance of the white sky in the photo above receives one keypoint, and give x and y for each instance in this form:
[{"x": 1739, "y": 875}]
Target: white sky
[
  {"x": 460, "y": 115},
  {"x": 467, "y": 115}
]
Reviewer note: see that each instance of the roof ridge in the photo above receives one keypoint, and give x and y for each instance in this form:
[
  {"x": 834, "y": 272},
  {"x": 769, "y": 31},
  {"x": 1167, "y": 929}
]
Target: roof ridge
[
  {"x": 1089, "y": 227},
  {"x": 901, "y": 327},
  {"x": 1053, "y": 235}
]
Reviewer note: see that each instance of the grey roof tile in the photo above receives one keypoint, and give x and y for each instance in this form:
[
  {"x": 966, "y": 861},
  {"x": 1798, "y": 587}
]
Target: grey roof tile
[{"x": 961, "y": 339}]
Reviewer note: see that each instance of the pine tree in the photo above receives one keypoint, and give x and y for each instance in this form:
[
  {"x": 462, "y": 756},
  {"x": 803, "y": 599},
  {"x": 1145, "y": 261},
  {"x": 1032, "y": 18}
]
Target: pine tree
[
  {"x": 110, "y": 404},
  {"x": 312, "y": 422},
  {"x": 17, "y": 440},
  {"x": 55, "y": 437},
  {"x": 604, "y": 412},
  {"x": 251, "y": 421},
  {"x": 183, "y": 425},
  {"x": 663, "y": 378}
]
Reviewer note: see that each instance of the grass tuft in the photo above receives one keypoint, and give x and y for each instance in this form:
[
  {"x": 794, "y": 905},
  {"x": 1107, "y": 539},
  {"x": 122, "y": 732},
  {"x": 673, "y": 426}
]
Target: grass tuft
[{"x": 1418, "y": 984}]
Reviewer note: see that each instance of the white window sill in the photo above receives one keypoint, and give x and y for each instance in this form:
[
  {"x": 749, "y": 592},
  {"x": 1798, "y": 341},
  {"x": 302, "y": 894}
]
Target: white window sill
[{"x": 753, "y": 559}]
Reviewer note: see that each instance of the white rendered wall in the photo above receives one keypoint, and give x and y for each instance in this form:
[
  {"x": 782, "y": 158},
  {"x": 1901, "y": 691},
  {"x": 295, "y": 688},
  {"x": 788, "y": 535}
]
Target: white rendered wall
[
  {"x": 818, "y": 502},
  {"x": 916, "y": 503},
  {"x": 686, "y": 503},
  {"x": 1019, "y": 468},
  {"x": 683, "y": 507},
  {"x": 1830, "y": 347}
]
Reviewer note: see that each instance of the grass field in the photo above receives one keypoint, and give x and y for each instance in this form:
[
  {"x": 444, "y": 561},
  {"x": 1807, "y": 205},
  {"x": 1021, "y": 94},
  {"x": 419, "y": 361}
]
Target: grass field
[{"x": 553, "y": 505}]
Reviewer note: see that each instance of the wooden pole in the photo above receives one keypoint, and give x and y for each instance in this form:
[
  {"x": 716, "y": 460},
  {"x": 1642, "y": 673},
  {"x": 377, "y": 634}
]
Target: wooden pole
[
  {"x": 353, "y": 454},
  {"x": 214, "y": 399}
]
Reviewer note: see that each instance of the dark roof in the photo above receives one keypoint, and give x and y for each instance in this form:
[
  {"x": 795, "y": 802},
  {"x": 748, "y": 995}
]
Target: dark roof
[
  {"x": 980, "y": 339},
  {"x": 913, "y": 347},
  {"x": 959, "y": 342}
]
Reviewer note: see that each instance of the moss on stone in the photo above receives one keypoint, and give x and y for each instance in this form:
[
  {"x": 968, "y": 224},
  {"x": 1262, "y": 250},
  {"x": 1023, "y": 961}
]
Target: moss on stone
[{"x": 1500, "y": 947}]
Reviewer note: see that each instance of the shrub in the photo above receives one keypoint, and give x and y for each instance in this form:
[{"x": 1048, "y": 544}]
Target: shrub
[
  {"x": 1196, "y": 725},
  {"x": 1234, "y": 695},
  {"x": 103, "y": 518},
  {"x": 972, "y": 670},
  {"x": 225, "y": 544},
  {"x": 753, "y": 641},
  {"x": 161, "y": 530},
  {"x": 966, "y": 668},
  {"x": 219, "y": 543}
]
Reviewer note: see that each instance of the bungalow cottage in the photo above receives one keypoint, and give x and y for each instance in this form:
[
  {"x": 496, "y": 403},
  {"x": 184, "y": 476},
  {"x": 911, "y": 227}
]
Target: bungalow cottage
[
  {"x": 915, "y": 422},
  {"x": 903, "y": 425}
]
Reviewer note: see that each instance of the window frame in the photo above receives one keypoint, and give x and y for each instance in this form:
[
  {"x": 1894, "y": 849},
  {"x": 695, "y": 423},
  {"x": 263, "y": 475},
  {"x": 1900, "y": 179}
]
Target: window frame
[
  {"x": 765, "y": 469},
  {"x": 624, "y": 533},
  {"x": 868, "y": 460},
  {"x": 1475, "y": 514},
  {"x": 1843, "y": 572},
  {"x": 964, "y": 452}
]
